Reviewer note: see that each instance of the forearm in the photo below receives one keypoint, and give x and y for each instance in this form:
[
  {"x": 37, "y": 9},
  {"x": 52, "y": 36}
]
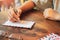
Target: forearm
[{"x": 27, "y": 6}]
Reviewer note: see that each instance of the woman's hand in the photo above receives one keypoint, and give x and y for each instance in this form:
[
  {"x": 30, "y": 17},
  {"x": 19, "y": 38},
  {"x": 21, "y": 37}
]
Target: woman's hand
[
  {"x": 14, "y": 16},
  {"x": 51, "y": 14}
]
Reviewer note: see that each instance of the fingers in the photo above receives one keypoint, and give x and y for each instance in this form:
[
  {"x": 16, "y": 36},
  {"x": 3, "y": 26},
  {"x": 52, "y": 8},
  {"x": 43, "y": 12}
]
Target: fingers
[
  {"x": 13, "y": 20},
  {"x": 51, "y": 14},
  {"x": 45, "y": 13},
  {"x": 19, "y": 12},
  {"x": 14, "y": 16},
  {"x": 48, "y": 12}
]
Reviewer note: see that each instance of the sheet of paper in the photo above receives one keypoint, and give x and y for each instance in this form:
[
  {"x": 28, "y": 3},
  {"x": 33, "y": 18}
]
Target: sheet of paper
[{"x": 25, "y": 24}]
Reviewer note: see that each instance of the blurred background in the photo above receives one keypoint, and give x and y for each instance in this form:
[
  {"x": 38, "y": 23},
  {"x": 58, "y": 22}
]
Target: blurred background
[{"x": 6, "y": 4}]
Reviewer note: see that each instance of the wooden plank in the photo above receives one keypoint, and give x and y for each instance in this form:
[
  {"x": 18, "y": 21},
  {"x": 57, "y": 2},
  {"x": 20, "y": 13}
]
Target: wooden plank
[{"x": 41, "y": 28}]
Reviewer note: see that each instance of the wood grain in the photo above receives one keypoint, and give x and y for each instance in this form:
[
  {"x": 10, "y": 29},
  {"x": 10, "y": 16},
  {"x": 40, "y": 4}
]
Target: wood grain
[{"x": 41, "y": 28}]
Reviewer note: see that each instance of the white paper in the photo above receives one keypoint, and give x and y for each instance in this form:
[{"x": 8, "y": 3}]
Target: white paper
[
  {"x": 26, "y": 24},
  {"x": 51, "y": 36}
]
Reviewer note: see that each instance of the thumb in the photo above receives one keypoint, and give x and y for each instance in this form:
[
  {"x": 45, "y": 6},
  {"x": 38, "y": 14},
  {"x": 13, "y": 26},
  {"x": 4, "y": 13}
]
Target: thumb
[{"x": 19, "y": 12}]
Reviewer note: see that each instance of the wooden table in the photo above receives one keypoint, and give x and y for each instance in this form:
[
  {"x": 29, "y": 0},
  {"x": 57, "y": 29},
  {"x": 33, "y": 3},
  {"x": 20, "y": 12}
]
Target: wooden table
[{"x": 41, "y": 27}]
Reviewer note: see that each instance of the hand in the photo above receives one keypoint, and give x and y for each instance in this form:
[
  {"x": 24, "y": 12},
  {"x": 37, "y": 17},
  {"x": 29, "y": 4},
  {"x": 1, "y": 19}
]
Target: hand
[
  {"x": 14, "y": 17},
  {"x": 51, "y": 14}
]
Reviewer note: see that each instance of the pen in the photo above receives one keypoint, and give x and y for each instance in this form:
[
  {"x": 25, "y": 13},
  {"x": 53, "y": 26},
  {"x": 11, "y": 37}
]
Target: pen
[{"x": 16, "y": 14}]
